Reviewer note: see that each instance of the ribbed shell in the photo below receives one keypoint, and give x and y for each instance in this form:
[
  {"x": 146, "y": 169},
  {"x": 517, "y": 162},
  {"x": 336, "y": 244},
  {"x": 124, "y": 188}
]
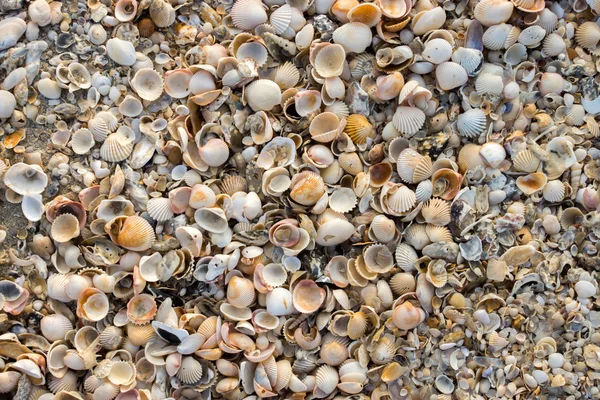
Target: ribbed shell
[
  {"x": 402, "y": 200},
  {"x": 359, "y": 128},
  {"x": 500, "y": 36},
  {"x": 327, "y": 379},
  {"x": 406, "y": 256},
  {"x": 286, "y": 75},
  {"x": 148, "y": 84},
  {"x": 339, "y": 108},
  {"x": 408, "y": 120},
  {"x": 492, "y": 12},
  {"x": 416, "y": 236},
  {"x": 116, "y": 148},
  {"x": 262, "y": 94},
  {"x": 159, "y": 209},
  {"x": 111, "y": 337},
  {"x": 489, "y": 84},
  {"x": 547, "y": 20},
  {"x": 162, "y": 13},
  {"x": 307, "y": 188},
  {"x": 354, "y": 37},
  {"x": 403, "y": 283},
  {"x": 139, "y": 335},
  {"x": 111, "y": 120},
  {"x": 438, "y": 234},
  {"x": 357, "y": 325},
  {"x": 424, "y": 191},
  {"x": 469, "y": 59},
  {"x": 471, "y": 123},
  {"x": 554, "y": 45},
  {"x": 248, "y": 14},
  {"x": 55, "y": 327},
  {"x": 232, "y": 184},
  {"x": 136, "y": 234},
  {"x": 413, "y": 167},
  {"x": 351, "y": 163},
  {"x": 281, "y": 18},
  {"x": 575, "y": 115},
  {"x": 526, "y": 161},
  {"x": 436, "y": 212},
  {"x": 190, "y": 371},
  {"x": 99, "y": 129},
  {"x": 554, "y": 191},
  {"x": 66, "y": 383},
  {"x": 450, "y": 75}
]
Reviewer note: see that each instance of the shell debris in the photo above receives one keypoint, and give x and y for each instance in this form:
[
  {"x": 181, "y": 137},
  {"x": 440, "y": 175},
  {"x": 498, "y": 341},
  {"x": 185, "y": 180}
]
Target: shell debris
[{"x": 341, "y": 199}]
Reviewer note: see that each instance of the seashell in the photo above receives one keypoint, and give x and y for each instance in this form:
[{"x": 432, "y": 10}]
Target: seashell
[
  {"x": 262, "y": 94},
  {"x": 211, "y": 219},
  {"x": 99, "y": 129},
  {"x": 121, "y": 51},
  {"x": 554, "y": 191},
  {"x": 500, "y": 36},
  {"x": 326, "y": 380},
  {"x": 436, "y": 212},
  {"x": 406, "y": 316},
  {"x": 526, "y": 161},
  {"x": 429, "y": 20},
  {"x": 389, "y": 86},
  {"x": 383, "y": 229},
  {"x": 437, "y": 51},
  {"x": 334, "y": 232},
  {"x": 547, "y": 20},
  {"x": 177, "y": 83},
  {"x": 12, "y": 29},
  {"x": 359, "y": 128},
  {"x": 162, "y": 13},
  {"x": 281, "y": 18},
  {"x": 122, "y": 373},
  {"x": 366, "y": 13},
  {"x": 493, "y": 153},
  {"x": 9, "y": 381},
  {"x": 493, "y": 12},
  {"x": 307, "y": 296},
  {"x": 408, "y": 120},
  {"x": 307, "y": 188},
  {"x": 82, "y": 141},
  {"x": 343, "y": 200},
  {"x": 140, "y": 335},
  {"x": 159, "y": 209},
  {"x": 55, "y": 327},
  {"x": 117, "y": 146},
  {"x": 279, "y": 302},
  {"x": 451, "y": 75},
  {"x": 354, "y": 37},
  {"x": 471, "y": 123},
  {"x": 470, "y": 59},
  {"x": 92, "y": 304},
  {"x": 585, "y": 289},
  {"x": 64, "y": 228},
  {"x": 133, "y": 233},
  {"x": 446, "y": 183},
  {"x": 248, "y": 14},
  {"x": 413, "y": 167},
  {"x": 214, "y": 153},
  {"x": 334, "y": 350},
  {"x": 394, "y": 9},
  {"x": 416, "y": 236},
  {"x": 240, "y": 292},
  {"x": 351, "y": 163},
  {"x": 531, "y": 183},
  {"x": 25, "y": 179},
  {"x": 125, "y": 10},
  {"x": 111, "y": 337},
  {"x": 489, "y": 84},
  {"x": 286, "y": 75},
  {"x": 378, "y": 258},
  {"x": 141, "y": 309},
  {"x": 148, "y": 84},
  {"x": 329, "y": 61}
]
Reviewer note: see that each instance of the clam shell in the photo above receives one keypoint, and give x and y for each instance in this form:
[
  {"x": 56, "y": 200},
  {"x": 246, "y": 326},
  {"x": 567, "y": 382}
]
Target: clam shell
[
  {"x": 471, "y": 123},
  {"x": 99, "y": 129},
  {"x": 279, "y": 302},
  {"x": 117, "y": 146},
  {"x": 429, "y": 20},
  {"x": 141, "y": 309},
  {"x": 148, "y": 84},
  {"x": 162, "y": 13},
  {"x": 286, "y": 75},
  {"x": 493, "y": 12},
  {"x": 262, "y": 94},
  {"x": 532, "y": 35},
  {"x": 11, "y": 30},
  {"x": 307, "y": 188},
  {"x": 500, "y": 36},
  {"x": 354, "y": 37},
  {"x": 82, "y": 141},
  {"x": 240, "y": 292},
  {"x": 121, "y": 51},
  {"x": 416, "y": 236},
  {"x": 366, "y": 13},
  {"x": 64, "y": 228},
  {"x": 281, "y": 18},
  {"x": 383, "y": 228},
  {"x": 248, "y": 14},
  {"x": 451, "y": 75},
  {"x": 55, "y": 327},
  {"x": 135, "y": 234},
  {"x": 326, "y": 380},
  {"x": 394, "y": 9},
  {"x": 413, "y": 167},
  {"x": 351, "y": 163},
  {"x": 531, "y": 183},
  {"x": 554, "y": 191},
  {"x": 159, "y": 209},
  {"x": 489, "y": 84},
  {"x": 343, "y": 200},
  {"x": 470, "y": 59},
  {"x": 436, "y": 212},
  {"x": 437, "y": 51},
  {"x": 402, "y": 200},
  {"x": 26, "y": 179},
  {"x": 359, "y": 128},
  {"x": 329, "y": 61}
]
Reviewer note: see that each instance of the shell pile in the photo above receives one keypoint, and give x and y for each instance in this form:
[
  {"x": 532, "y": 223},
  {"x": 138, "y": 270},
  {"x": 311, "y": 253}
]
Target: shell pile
[{"x": 296, "y": 199}]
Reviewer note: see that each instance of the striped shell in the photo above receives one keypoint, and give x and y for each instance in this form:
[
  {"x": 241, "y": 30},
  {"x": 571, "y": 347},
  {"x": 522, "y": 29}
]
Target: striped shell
[{"x": 471, "y": 123}]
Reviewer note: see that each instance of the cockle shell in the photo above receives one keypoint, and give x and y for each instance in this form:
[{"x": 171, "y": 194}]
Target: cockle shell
[
  {"x": 92, "y": 304},
  {"x": 437, "y": 51},
  {"x": 354, "y": 37},
  {"x": 326, "y": 126},
  {"x": 26, "y": 179},
  {"x": 406, "y": 316},
  {"x": 162, "y": 13},
  {"x": 428, "y": 20},
  {"x": 329, "y": 61},
  {"x": 148, "y": 84},
  {"x": 55, "y": 327},
  {"x": 493, "y": 12},
  {"x": 408, "y": 120},
  {"x": 248, "y": 14},
  {"x": 500, "y": 36},
  {"x": 413, "y": 167},
  {"x": 531, "y": 183},
  {"x": 451, "y": 75},
  {"x": 395, "y": 9},
  {"x": 263, "y": 94},
  {"x": 471, "y": 123},
  {"x": 121, "y": 52},
  {"x": 436, "y": 212}
]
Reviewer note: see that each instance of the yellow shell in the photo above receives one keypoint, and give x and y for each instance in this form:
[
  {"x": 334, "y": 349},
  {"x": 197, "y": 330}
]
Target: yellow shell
[{"x": 359, "y": 128}]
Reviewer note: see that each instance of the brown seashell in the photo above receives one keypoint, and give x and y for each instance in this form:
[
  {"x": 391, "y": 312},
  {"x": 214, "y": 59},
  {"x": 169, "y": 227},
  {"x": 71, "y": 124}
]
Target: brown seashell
[
  {"x": 446, "y": 183},
  {"x": 531, "y": 183},
  {"x": 308, "y": 296}
]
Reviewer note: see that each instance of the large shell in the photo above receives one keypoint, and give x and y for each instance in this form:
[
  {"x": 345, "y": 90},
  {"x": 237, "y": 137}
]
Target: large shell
[
  {"x": 26, "y": 179},
  {"x": 148, "y": 84},
  {"x": 248, "y": 14},
  {"x": 408, "y": 120},
  {"x": 11, "y": 30},
  {"x": 263, "y": 94},
  {"x": 354, "y": 37},
  {"x": 471, "y": 123},
  {"x": 162, "y": 13},
  {"x": 493, "y": 12},
  {"x": 451, "y": 75},
  {"x": 121, "y": 51},
  {"x": 436, "y": 212}
]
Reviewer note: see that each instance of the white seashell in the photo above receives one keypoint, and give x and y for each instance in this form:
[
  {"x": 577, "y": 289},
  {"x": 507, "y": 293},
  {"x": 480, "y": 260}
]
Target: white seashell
[
  {"x": 547, "y": 20},
  {"x": 450, "y": 75},
  {"x": 121, "y": 52},
  {"x": 49, "y": 88},
  {"x": 281, "y": 18},
  {"x": 493, "y": 153},
  {"x": 148, "y": 84},
  {"x": 334, "y": 232},
  {"x": 585, "y": 289},
  {"x": 11, "y": 30},
  {"x": 39, "y": 12},
  {"x": 262, "y": 94},
  {"x": 489, "y": 84},
  {"x": 177, "y": 83},
  {"x": 343, "y": 200},
  {"x": 97, "y": 34},
  {"x": 159, "y": 209},
  {"x": 131, "y": 106},
  {"x": 55, "y": 327},
  {"x": 279, "y": 302},
  {"x": 111, "y": 120},
  {"x": 437, "y": 51},
  {"x": 248, "y": 14},
  {"x": 429, "y": 20},
  {"x": 354, "y": 37},
  {"x": 408, "y": 120},
  {"x": 327, "y": 379},
  {"x": 26, "y": 179},
  {"x": 471, "y": 123},
  {"x": 32, "y": 207},
  {"x": 118, "y": 146},
  {"x": 305, "y": 37},
  {"x": 252, "y": 50},
  {"x": 82, "y": 141},
  {"x": 286, "y": 75},
  {"x": 470, "y": 59},
  {"x": 532, "y": 35},
  {"x": 554, "y": 44},
  {"x": 14, "y": 78},
  {"x": 125, "y": 10},
  {"x": 493, "y": 12},
  {"x": 554, "y": 191},
  {"x": 330, "y": 61},
  {"x": 8, "y": 103},
  {"x": 515, "y": 54},
  {"x": 162, "y": 13},
  {"x": 500, "y": 36}
]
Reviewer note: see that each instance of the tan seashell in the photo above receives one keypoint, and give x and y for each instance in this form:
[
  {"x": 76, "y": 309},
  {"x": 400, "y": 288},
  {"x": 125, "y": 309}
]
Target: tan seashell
[
  {"x": 399, "y": 199},
  {"x": 413, "y": 167},
  {"x": 307, "y": 188},
  {"x": 162, "y": 13},
  {"x": 416, "y": 236},
  {"x": 286, "y": 75},
  {"x": 141, "y": 309},
  {"x": 351, "y": 163},
  {"x": 148, "y": 84},
  {"x": 329, "y": 61},
  {"x": 64, "y": 228},
  {"x": 380, "y": 173},
  {"x": 366, "y": 13},
  {"x": 326, "y": 380},
  {"x": 248, "y": 14},
  {"x": 408, "y": 120},
  {"x": 531, "y": 183},
  {"x": 389, "y": 86},
  {"x": 240, "y": 292},
  {"x": 9, "y": 381},
  {"x": 359, "y": 128},
  {"x": 122, "y": 373},
  {"x": 55, "y": 327},
  {"x": 334, "y": 349},
  {"x": 438, "y": 234},
  {"x": 437, "y": 274},
  {"x": 436, "y": 212},
  {"x": 493, "y": 12},
  {"x": 587, "y": 35},
  {"x": 406, "y": 316},
  {"x": 118, "y": 146},
  {"x": 326, "y": 126},
  {"x": 133, "y": 233},
  {"x": 354, "y": 37},
  {"x": 383, "y": 229},
  {"x": 395, "y": 9},
  {"x": 426, "y": 21},
  {"x": 140, "y": 335},
  {"x": 378, "y": 258},
  {"x": 469, "y": 157},
  {"x": 307, "y": 296},
  {"x": 92, "y": 304},
  {"x": 446, "y": 183},
  {"x": 403, "y": 283}
]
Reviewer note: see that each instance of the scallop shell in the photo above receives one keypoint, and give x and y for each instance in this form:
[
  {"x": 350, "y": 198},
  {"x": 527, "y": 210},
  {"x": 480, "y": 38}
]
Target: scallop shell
[
  {"x": 117, "y": 146},
  {"x": 471, "y": 123},
  {"x": 359, "y": 128},
  {"x": 281, "y": 18},
  {"x": 500, "y": 36},
  {"x": 326, "y": 380},
  {"x": 148, "y": 84},
  {"x": 554, "y": 191},
  {"x": 240, "y": 292},
  {"x": 121, "y": 51},
  {"x": 55, "y": 327},
  {"x": 135, "y": 234},
  {"x": 489, "y": 84},
  {"x": 493, "y": 12},
  {"x": 438, "y": 234},
  {"x": 307, "y": 188},
  {"x": 402, "y": 200},
  {"x": 162, "y": 13},
  {"x": 408, "y": 120},
  {"x": 286, "y": 75},
  {"x": 436, "y": 212},
  {"x": 248, "y": 14},
  {"x": 470, "y": 59},
  {"x": 413, "y": 167},
  {"x": 159, "y": 209},
  {"x": 354, "y": 37},
  {"x": 416, "y": 236},
  {"x": 99, "y": 129},
  {"x": 451, "y": 75}
]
